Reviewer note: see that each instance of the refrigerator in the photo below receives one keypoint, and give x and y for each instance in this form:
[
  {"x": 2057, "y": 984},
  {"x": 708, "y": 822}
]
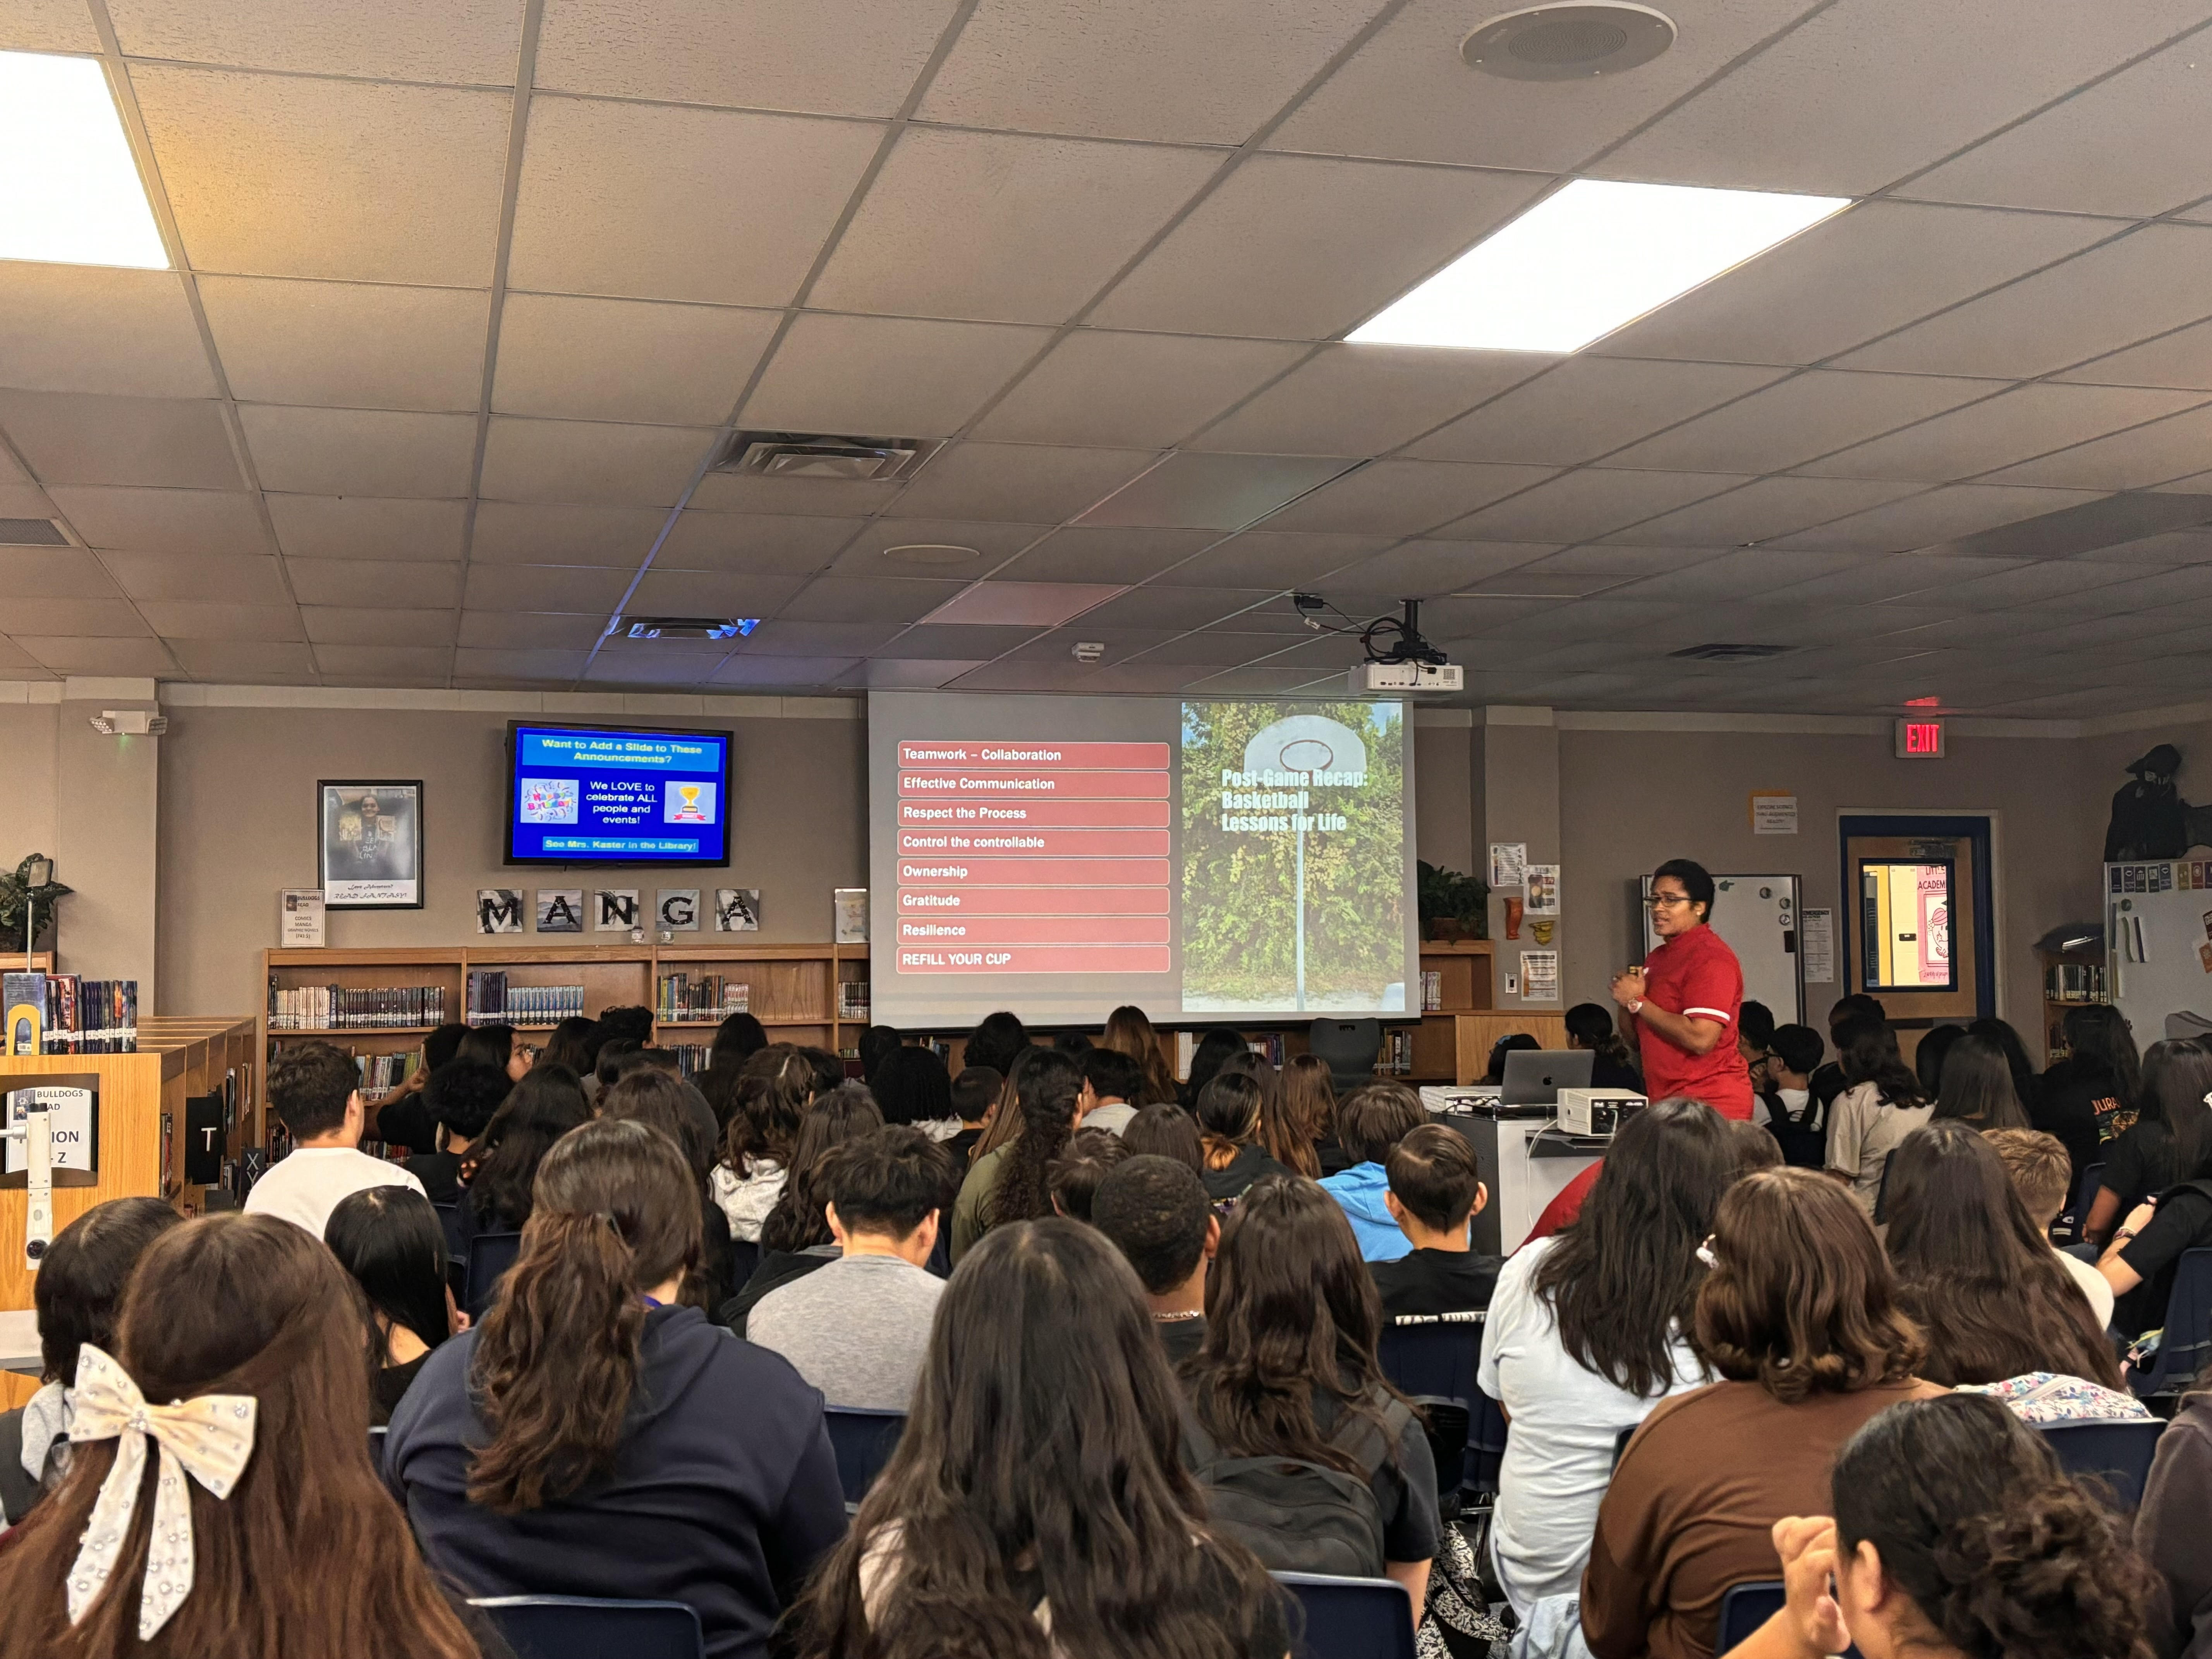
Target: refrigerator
[
  {"x": 1756, "y": 916},
  {"x": 2158, "y": 946}
]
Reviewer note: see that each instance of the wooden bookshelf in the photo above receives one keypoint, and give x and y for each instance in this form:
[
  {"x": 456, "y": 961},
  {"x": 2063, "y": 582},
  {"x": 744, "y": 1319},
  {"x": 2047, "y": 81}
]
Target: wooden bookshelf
[
  {"x": 2054, "y": 1004},
  {"x": 1453, "y": 1043}
]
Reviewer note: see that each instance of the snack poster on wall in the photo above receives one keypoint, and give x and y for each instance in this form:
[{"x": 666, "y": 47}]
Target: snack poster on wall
[
  {"x": 1543, "y": 888},
  {"x": 370, "y": 844}
]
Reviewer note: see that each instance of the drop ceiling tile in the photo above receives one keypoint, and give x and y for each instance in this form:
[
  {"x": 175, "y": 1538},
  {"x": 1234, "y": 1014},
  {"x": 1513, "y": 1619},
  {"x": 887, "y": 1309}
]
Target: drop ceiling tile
[
  {"x": 1932, "y": 517},
  {"x": 748, "y": 670},
  {"x": 1301, "y": 248},
  {"x": 1585, "y": 406},
  {"x": 211, "y": 578},
  {"x": 193, "y": 619},
  {"x": 899, "y": 674},
  {"x": 39, "y": 615},
  {"x": 53, "y": 572},
  {"x": 1058, "y": 645},
  {"x": 376, "y": 625},
  {"x": 1426, "y": 569},
  {"x": 2146, "y": 596},
  {"x": 2146, "y": 283},
  {"x": 274, "y": 662},
  {"x": 2029, "y": 420},
  {"x": 1213, "y": 647},
  {"x": 279, "y": 175},
  {"x": 849, "y": 599},
  {"x": 69, "y": 438},
  {"x": 2176, "y": 547},
  {"x": 2149, "y": 454},
  {"x": 625, "y": 360},
  {"x": 734, "y": 492},
  {"x": 367, "y": 527},
  {"x": 360, "y": 451},
  {"x": 1576, "y": 506},
  {"x": 1033, "y": 484},
  {"x": 1177, "y": 608},
  {"x": 1875, "y": 582},
  {"x": 517, "y": 630},
  {"x": 163, "y": 520},
  {"x": 374, "y": 582},
  {"x": 1367, "y": 399},
  {"x": 783, "y": 637},
  {"x": 578, "y": 589},
  {"x": 1195, "y": 71},
  {"x": 528, "y": 532},
  {"x": 1874, "y": 267},
  {"x": 887, "y": 374},
  {"x": 932, "y": 238},
  {"x": 1264, "y": 558},
  {"x": 753, "y": 544},
  {"x": 1862, "y": 93},
  {"x": 613, "y": 200},
  {"x": 384, "y": 664},
  {"x": 2027, "y": 584},
  {"x": 81, "y": 328},
  {"x": 462, "y": 42},
  {"x": 1136, "y": 390},
  {"x": 1193, "y": 491},
  {"x": 591, "y": 462},
  {"x": 1613, "y": 561},
  {"x": 673, "y": 670},
  {"x": 1594, "y": 619},
  {"x": 1026, "y": 605},
  {"x": 357, "y": 345},
  {"x": 1762, "y": 511},
  {"x": 1091, "y": 553},
  {"x": 74, "y": 655},
  {"x": 2183, "y": 358},
  {"x": 958, "y": 642},
  {"x": 1734, "y": 575},
  {"x": 1401, "y": 497},
  {"x": 1258, "y": 680},
  {"x": 704, "y": 52},
  {"x": 1805, "y": 415},
  {"x": 992, "y": 544},
  {"x": 20, "y": 499},
  {"x": 48, "y": 26}
]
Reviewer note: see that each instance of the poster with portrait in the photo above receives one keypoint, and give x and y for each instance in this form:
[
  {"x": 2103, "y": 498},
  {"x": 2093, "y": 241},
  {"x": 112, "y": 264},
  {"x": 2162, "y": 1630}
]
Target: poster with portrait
[{"x": 370, "y": 844}]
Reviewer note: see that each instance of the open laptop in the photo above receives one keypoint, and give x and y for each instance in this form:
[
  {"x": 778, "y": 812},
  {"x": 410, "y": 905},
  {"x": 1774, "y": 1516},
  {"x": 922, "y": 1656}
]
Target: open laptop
[{"x": 1534, "y": 1078}]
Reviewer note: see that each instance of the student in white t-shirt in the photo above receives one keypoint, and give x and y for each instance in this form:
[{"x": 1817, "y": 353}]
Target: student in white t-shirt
[
  {"x": 316, "y": 1090},
  {"x": 1585, "y": 1335}
]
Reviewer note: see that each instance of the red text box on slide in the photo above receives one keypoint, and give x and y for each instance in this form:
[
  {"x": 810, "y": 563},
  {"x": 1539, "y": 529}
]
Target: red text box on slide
[
  {"x": 1032, "y": 902},
  {"x": 965, "y": 930},
  {"x": 1032, "y": 786},
  {"x": 1037, "y": 754},
  {"x": 1024, "y": 872},
  {"x": 1037, "y": 959},
  {"x": 967, "y": 839},
  {"x": 1038, "y": 814}
]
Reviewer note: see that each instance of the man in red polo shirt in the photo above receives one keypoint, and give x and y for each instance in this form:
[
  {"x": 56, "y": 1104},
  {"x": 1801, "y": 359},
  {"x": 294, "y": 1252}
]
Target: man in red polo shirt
[{"x": 1680, "y": 1008}]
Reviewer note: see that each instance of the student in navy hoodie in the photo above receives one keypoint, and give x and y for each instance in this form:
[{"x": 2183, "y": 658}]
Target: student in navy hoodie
[
  {"x": 1368, "y": 1126},
  {"x": 592, "y": 1438}
]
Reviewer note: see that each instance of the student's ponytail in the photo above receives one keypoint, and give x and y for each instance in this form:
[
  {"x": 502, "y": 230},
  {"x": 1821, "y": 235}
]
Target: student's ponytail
[{"x": 557, "y": 1360}]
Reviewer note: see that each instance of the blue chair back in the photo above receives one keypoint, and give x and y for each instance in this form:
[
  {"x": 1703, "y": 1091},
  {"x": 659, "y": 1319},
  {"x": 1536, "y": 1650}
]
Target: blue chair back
[
  {"x": 587, "y": 1628},
  {"x": 1433, "y": 1357},
  {"x": 1744, "y": 1608},
  {"x": 449, "y": 1222},
  {"x": 2186, "y": 1348},
  {"x": 2118, "y": 1452},
  {"x": 490, "y": 1255},
  {"x": 2067, "y": 1228},
  {"x": 1486, "y": 1444},
  {"x": 376, "y": 1436},
  {"x": 863, "y": 1440},
  {"x": 1350, "y": 1617}
]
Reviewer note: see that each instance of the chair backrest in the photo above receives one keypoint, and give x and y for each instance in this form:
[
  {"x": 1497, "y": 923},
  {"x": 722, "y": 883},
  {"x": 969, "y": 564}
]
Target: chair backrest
[
  {"x": 2117, "y": 1451},
  {"x": 586, "y": 1627},
  {"x": 376, "y": 1436},
  {"x": 2186, "y": 1348},
  {"x": 1745, "y": 1607},
  {"x": 1446, "y": 1424},
  {"x": 491, "y": 1255},
  {"x": 1350, "y": 1046},
  {"x": 745, "y": 1257},
  {"x": 2066, "y": 1228},
  {"x": 1486, "y": 1444},
  {"x": 1350, "y": 1617},
  {"x": 1620, "y": 1441},
  {"x": 449, "y": 1222},
  {"x": 864, "y": 1441},
  {"x": 1436, "y": 1356}
]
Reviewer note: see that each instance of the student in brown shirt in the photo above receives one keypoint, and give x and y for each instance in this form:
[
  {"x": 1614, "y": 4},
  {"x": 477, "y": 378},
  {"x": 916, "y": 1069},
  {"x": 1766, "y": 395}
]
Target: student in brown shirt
[{"x": 1798, "y": 1315}]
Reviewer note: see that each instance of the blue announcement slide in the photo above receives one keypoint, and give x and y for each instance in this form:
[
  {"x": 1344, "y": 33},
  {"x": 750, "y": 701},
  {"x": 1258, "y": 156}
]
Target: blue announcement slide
[{"x": 585, "y": 796}]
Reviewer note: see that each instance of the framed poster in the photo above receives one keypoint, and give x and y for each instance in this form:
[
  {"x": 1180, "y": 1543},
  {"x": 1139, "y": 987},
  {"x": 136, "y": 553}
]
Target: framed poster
[{"x": 369, "y": 840}]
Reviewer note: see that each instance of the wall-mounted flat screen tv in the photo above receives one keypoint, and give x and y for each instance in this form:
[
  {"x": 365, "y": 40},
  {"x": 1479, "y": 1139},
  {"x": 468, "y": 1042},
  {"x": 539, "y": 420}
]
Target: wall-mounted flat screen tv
[{"x": 617, "y": 795}]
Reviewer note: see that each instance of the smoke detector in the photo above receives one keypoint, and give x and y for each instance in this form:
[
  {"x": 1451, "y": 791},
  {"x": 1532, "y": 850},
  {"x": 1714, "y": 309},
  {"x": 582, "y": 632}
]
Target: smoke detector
[
  {"x": 685, "y": 627},
  {"x": 1089, "y": 650},
  {"x": 839, "y": 457},
  {"x": 1568, "y": 42}
]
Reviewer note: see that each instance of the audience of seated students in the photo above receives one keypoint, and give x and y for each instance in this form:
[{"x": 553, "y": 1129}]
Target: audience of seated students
[
  {"x": 1229, "y": 1111},
  {"x": 2172, "y": 1133},
  {"x": 495, "y": 1046},
  {"x": 773, "y": 1088},
  {"x": 1798, "y": 1317},
  {"x": 1872, "y": 1117},
  {"x": 1156, "y": 1211},
  {"x": 655, "y": 1097},
  {"x": 1928, "y": 1057},
  {"x": 1310, "y": 1102},
  {"x": 301, "y": 1555},
  {"x": 1755, "y": 1147},
  {"x": 1034, "y": 1504},
  {"x": 2169, "y": 1528},
  {"x": 2139, "y": 1261},
  {"x": 1827, "y": 1081},
  {"x": 976, "y": 1094},
  {"x": 1166, "y": 1130},
  {"x": 737, "y": 1040},
  {"x": 1129, "y": 1031},
  {"x": 795, "y": 1239},
  {"x": 1282, "y": 1127},
  {"x": 1952, "y": 1533},
  {"x": 1214, "y": 1050},
  {"x": 591, "y": 1437},
  {"x": 1591, "y": 1026},
  {"x": 1436, "y": 1192},
  {"x": 857, "y": 1329},
  {"x": 608, "y": 1067},
  {"x": 1113, "y": 1088},
  {"x": 76, "y": 1295},
  {"x": 997, "y": 1042},
  {"x": 572, "y": 1044},
  {"x": 1976, "y": 1275},
  {"x": 876, "y": 1043},
  {"x": 2015, "y": 1054},
  {"x": 1511, "y": 1043},
  {"x": 1368, "y": 1125},
  {"x": 1754, "y": 1035},
  {"x": 401, "y": 1120},
  {"x": 1072, "y": 1178},
  {"x": 2089, "y": 1097},
  {"x": 1078, "y": 1043},
  {"x": 1288, "y": 1368},
  {"x": 1007, "y": 1182},
  {"x": 1588, "y": 1330},
  {"x": 1786, "y": 1106},
  {"x": 316, "y": 1090},
  {"x": 2039, "y": 1172},
  {"x": 462, "y": 1099},
  {"x": 913, "y": 1087},
  {"x": 390, "y": 1241},
  {"x": 1976, "y": 1087},
  {"x": 537, "y": 1111}
]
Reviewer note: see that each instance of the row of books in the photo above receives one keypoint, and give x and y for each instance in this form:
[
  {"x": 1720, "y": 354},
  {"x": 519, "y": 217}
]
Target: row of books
[
  {"x": 852, "y": 999},
  {"x": 691, "y": 1058},
  {"x": 1433, "y": 990},
  {"x": 382, "y": 1074},
  {"x": 75, "y": 1015},
  {"x": 2075, "y": 981},
  {"x": 700, "y": 997},
  {"x": 336, "y": 1008},
  {"x": 1396, "y": 1057},
  {"x": 493, "y": 1001}
]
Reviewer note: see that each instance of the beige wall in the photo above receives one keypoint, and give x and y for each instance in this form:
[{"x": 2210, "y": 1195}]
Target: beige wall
[
  {"x": 237, "y": 809},
  {"x": 1447, "y": 789},
  {"x": 28, "y": 791}
]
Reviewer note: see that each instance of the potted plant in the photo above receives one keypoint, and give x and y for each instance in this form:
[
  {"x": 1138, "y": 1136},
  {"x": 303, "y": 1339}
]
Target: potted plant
[{"x": 1453, "y": 906}]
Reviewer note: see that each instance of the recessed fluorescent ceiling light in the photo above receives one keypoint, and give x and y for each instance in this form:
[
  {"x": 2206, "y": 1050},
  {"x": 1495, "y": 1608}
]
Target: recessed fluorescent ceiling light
[
  {"x": 1586, "y": 260},
  {"x": 69, "y": 193}
]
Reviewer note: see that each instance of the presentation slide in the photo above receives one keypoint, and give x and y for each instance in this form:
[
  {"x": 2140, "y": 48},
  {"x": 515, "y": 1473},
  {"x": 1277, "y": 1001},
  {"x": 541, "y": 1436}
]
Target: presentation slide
[
  {"x": 1215, "y": 858},
  {"x": 586, "y": 795}
]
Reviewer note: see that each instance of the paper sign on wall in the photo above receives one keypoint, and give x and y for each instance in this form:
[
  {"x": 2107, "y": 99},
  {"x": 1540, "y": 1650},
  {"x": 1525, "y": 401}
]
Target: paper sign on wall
[
  {"x": 1774, "y": 813},
  {"x": 1543, "y": 881},
  {"x": 1508, "y": 863},
  {"x": 1539, "y": 976},
  {"x": 300, "y": 919},
  {"x": 1816, "y": 945}
]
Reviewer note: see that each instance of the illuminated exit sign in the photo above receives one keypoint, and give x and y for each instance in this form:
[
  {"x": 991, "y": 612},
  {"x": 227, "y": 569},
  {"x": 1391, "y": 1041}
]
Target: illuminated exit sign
[{"x": 1919, "y": 739}]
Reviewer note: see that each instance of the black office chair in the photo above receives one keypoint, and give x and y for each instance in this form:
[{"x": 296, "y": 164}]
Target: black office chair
[
  {"x": 1350, "y": 1046},
  {"x": 1350, "y": 1617},
  {"x": 590, "y": 1627},
  {"x": 2067, "y": 1228},
  {"x": 745, "y": 1258},
  {"x": 2117, "y": 1451},
  {"x": 1745, "y": 1607},
  {"x": 864, "y": 1441},
  {"x": 489, "y": 1257},
  {"x": 2186, "y": 1346}
]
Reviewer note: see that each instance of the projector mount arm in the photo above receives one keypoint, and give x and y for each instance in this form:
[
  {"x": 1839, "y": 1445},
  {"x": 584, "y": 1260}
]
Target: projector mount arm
[{"x": 1408, "y": 646}]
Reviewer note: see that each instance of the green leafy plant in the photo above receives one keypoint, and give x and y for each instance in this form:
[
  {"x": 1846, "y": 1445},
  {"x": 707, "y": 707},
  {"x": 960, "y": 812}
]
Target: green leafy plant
[
  {"x": 1447, "y": 897},
  {"x": 15, "y": 892}
]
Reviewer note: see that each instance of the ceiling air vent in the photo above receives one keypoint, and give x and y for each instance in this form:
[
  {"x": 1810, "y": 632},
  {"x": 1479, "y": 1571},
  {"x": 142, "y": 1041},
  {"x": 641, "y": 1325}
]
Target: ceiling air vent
[
  {"x": 841, "y": 458},
  {"x": 1729, "y": 653},
  {"x": 1568, "y": 42},
  {"x": 683, "y": 628},
  {"x": 31, "y": 533}
]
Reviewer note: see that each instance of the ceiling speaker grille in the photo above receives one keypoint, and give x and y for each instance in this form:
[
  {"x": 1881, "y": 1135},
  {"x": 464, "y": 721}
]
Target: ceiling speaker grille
[
  {"x": 1568, "y": 42},
  {"x": 31, "y": 533}
]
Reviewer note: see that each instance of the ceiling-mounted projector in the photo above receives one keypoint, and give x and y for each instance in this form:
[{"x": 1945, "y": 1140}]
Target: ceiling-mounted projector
[{"x": 1371, "y": 677}]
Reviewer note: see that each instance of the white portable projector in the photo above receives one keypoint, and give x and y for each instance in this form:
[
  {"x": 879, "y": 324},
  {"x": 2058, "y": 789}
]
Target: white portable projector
[
  {"x": 1406, "y": 677},
  {"x": 1598, "y": 1111}
]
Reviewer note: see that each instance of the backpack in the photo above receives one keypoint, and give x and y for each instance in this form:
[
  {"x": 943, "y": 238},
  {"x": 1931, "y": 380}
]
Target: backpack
[
  {"x": 1296, "y": 1516},
  {"x": 1804, "y": 1140}
]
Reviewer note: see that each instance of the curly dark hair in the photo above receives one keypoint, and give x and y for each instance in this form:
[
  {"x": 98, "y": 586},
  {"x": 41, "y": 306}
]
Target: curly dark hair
[{"x": 1047, "y": 1088}]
